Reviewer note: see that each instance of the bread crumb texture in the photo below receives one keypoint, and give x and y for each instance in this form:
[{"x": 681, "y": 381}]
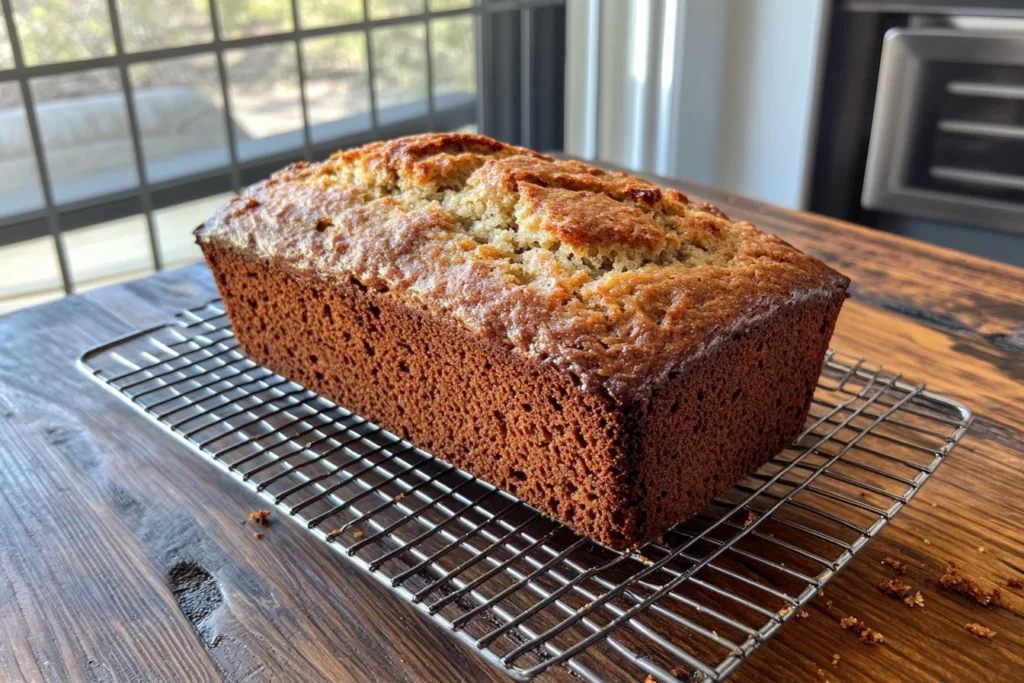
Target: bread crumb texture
[
  {"x": 867, "y": 635},
  {"x": 601, "y": 274},
  {"x": 895, "y": 565},
  {"x": 957, "y": 582},
  {"x": 979, "y": 630},
  {"x": 261, "y": 517}
]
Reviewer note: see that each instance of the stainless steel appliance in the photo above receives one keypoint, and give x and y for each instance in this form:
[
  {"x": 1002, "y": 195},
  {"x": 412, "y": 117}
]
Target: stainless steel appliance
[{"x": 922, "y": 123}]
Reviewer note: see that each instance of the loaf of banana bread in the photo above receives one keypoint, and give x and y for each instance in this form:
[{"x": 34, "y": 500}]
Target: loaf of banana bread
[{"x": 608, "y": 351}]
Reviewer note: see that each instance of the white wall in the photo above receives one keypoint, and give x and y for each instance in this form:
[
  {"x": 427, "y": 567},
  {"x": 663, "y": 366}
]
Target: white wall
[{"x": 716, "y": 91}]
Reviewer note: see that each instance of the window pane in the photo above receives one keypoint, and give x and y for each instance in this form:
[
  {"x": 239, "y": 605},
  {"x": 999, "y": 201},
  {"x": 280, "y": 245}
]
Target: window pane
[
  {"x": 441, "y": 5},
  {"x": 31, "y": 274},
  {"x": 399, "y": 58},
  {"x": 318, "y": 13},
  {"x": 337, "y": 86},
  {"x": 453, "y": 51},
  {"x": 180, "y": 108},
  {"x": 109, "y": 252},
  {"x": 83, "y": 121},
  {"x": 240, "y": 18},
  {"x": 153, "y": 24},
  {"x": 63, "y": 30},
  {"x": 384, "y": 9},
  {"x": 6, "y": 53},
  {"x": 265, "y": 102},
  {"x": 174, "y": 226},
  {"x": 20, "y": 189}
]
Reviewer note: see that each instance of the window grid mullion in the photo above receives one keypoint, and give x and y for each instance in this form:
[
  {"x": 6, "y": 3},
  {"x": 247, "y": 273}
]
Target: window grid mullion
[
  {"x": 28, "y": 102},
  {"x": 128, "y": 92},
  {"x": 427, "y": 25},
  {"x": 300, "y": 65},
  {"x": 222, "y": 74},
  {"x": 370, "y": 73}
]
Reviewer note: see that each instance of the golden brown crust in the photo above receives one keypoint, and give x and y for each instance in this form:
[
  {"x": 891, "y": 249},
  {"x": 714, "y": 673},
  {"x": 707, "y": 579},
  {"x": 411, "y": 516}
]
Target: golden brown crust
[{"x": 602, "y": 275}]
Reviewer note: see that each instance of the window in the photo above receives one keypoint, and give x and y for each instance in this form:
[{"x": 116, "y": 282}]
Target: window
[{"x": 119, "y": 118}]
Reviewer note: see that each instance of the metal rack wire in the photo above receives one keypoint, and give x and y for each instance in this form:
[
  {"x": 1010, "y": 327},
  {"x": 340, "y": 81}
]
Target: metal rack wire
[{"x": 521, "y": 589}]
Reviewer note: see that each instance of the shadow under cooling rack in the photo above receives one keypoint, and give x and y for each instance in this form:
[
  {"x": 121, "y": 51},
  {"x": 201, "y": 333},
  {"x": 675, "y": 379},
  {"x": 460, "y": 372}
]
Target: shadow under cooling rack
[{"x": 521, "y": 589}]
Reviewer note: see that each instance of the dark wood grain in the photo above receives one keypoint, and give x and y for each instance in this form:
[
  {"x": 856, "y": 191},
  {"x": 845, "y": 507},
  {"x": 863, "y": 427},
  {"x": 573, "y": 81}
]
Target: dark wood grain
[{"x": 111, "y": 523}]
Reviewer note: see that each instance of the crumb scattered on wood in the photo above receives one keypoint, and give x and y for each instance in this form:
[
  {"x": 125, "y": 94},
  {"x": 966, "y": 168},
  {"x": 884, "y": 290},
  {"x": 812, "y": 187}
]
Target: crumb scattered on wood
[
  {"x": 802, "y": 614},
  {"x": 261, "y": 517},
  {"x": 824, "y": 676},
  {"x": 751, "y": 518},
  {"x": 586, "y": 606},
  {"x": 357, "y": 533},
  {"x": 926, "y": 541},
  {"x": 955, "y": 581},
  {"x": 257, "y": 535},
  {"x": 643, "y": 558},
  {"x": 400, "y": 497},
  {"x": 785, "y": 610},
  {"x": 895, "y": 565},
  {"x": 981, "y": 549},
  {"x": 828, "y": 603},
  {"x": 916, "y": 601},
  {"x": 650, "y": 679},
  {"x": 835, "y": 660},
  {"x": 895, "y": 588},
  {"x": 867, "y": 635},
  {"x": 1015, "y": 583},
  {"x": 979, "y": 630}
]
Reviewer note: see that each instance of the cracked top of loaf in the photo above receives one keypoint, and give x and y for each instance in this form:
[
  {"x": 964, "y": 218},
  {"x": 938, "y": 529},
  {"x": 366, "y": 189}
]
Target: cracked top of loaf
[{"x": 603, "y": 275}]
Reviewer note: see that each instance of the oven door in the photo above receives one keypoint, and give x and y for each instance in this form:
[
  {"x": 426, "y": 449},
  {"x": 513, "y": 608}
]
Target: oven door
[{"x": 947, "y": 137}]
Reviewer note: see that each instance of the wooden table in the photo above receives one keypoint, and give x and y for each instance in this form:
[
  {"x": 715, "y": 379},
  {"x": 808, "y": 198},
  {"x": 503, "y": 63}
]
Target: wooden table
[{"x": 106, "y": 515}]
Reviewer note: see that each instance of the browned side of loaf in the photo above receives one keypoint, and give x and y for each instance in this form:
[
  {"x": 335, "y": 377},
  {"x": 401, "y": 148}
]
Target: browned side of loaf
[
  {"x": 620, "y": 475},
  {"x": 730, "y": 413}
]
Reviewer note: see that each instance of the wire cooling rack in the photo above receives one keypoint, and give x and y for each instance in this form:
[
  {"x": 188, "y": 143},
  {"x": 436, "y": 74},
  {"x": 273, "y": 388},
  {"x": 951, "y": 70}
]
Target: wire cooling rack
[{"x": 521, "y": 589}]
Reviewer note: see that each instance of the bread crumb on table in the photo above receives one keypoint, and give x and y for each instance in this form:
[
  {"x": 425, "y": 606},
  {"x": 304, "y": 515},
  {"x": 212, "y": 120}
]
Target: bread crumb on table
[
  {"x": 400, "y": 497},
  {"x": 835, "y": 660},
  {"x": 785, "y": 610},
  {"x": 1015, "y": 583},
  {"x": 751, "y": 518},
  {"x": 895, "y": 588},
  {"x": 802, "y": 614},
  {"x": 867, "y": 635},
  {"x": 979, "y": 630},
  {"x": 257, "y": 535},
  {"x": 916, "y": 601},
  {"x": 824, "y": 676},
  {"x": 896, "y": 565},
  {"x": 357, "y": 533},
  {"x": 955, "y": 581},
  {"x": 261, "y": 517}
]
